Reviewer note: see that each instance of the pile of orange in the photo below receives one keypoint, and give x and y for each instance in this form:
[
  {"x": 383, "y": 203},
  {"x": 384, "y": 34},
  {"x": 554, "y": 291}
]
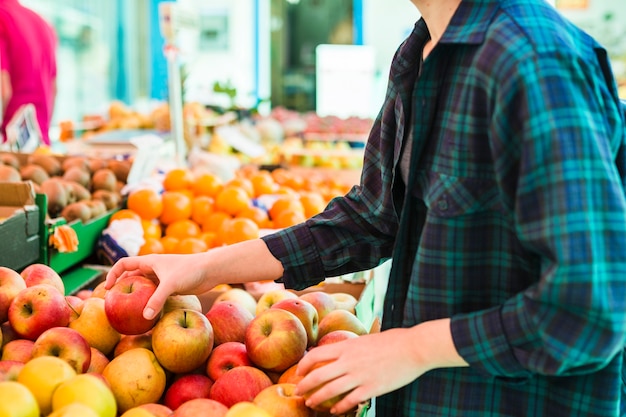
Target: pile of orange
[{"x": 198, "y": 211}]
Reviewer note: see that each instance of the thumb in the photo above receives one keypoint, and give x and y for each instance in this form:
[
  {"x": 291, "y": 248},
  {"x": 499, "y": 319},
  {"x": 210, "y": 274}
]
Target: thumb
[{"x": 155, "y": 303}]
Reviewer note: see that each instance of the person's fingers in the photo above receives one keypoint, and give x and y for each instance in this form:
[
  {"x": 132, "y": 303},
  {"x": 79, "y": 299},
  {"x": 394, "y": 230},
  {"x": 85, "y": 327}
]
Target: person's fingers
[
  {"x": 156, "y": 301},
  {"x": 120, "y": 268}
]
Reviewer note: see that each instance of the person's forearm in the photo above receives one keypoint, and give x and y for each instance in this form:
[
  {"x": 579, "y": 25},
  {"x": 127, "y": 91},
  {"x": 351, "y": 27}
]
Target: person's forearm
[
  {"x": 242, "y": 262},
  {"x": 434, "y": 345}
]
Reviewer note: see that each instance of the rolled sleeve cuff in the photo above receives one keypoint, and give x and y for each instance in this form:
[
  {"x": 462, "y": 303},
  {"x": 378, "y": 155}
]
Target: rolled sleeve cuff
[
  {"x": 480, "y": 338},
  {"x": 295, "y": 249}
]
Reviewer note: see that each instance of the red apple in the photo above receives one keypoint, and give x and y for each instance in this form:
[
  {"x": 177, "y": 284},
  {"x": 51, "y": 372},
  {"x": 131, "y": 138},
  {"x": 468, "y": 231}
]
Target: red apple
[
  {"x": 36, "y": 309},
  {"x": 225, "y": 357},
  {"x": 230, "y": 321},
  {"x": 275, "y": 339},
  {"x": 185, "y": 388},
  {"x": 10, "y": 369},
  {"x": 239, "y": 296},
  {"x": 11, "y": 283},
  {"x": 340, "y": 319},
  {"x": 269, "y": 298},
  {"x": 64, "y": 343},
  {"x": 131, "y": 341},
  {"x": 280, "y": 400},
  {"x": 20, "y": 350},
  {"x": 322, "y": 301},
  {"x": 98, "y": 362},
  {"x": 307, "y": 314},
  {"x": 241, "y": 383},
  {"x": 35, "y": 274},
  {"x": 336, "y": 336},
  {"x": 124, "y": 304},
  {"x": 8, "y": 334},
  {"x": 182, "y": 340},
  {"x": 201, "y": 407}
]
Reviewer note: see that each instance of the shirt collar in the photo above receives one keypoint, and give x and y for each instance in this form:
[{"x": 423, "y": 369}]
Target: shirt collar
[
  {"x": 468, "y": 25},
  {"x": 470, "y": 22}
]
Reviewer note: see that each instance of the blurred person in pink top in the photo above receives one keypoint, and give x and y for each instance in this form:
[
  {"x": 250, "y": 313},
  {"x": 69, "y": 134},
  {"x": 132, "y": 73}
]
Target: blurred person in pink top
[{"x": 28, "y": 64}]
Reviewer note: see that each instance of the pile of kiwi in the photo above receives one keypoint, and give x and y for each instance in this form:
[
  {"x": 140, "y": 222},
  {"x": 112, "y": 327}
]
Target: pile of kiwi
[{"x": 77, "y": 187}]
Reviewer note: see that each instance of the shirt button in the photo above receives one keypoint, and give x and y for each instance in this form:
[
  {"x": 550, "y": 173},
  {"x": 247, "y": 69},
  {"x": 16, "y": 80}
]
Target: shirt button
[{"x": 442, "y": 204}]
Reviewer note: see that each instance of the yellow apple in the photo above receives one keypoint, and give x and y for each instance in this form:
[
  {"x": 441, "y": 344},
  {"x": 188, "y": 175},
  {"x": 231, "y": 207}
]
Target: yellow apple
[
  {"x": 340, "y": 319},
  {"x": 74, "y": 410},
  {"x": 93, "y": 324},
  {"x": 345, "y": 301},
  {"x": 137, "y": 412},
  {"x": 240, "y": 296},
  {"x": 247, "y": 409},
  {"x": 136, "y": 378},
  {"x": 16, "y": 400},
  {"x": 42, "y": 375},
  {"x": 187, "y": 301},
  {"x": 88, "y": 389},
  {"x": 269, "y": 298},
  {"x": 280, "y": 400}
]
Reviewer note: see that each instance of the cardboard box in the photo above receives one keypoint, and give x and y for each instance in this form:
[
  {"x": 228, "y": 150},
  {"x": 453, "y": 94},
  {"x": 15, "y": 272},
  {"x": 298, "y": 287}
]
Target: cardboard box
[{"x": 20, "y": 225}]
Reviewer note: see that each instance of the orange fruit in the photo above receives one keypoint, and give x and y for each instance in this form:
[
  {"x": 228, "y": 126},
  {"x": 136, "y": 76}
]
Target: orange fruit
[
  {"x": 210, "y": 238},
  {"x": 207, "y": 184},
  {"x": 214, "y": 221},
  {"x": 263, "y": 183},
  {"x": 281, "y": 175},
  {"x": 288, "y": 218},
  {"x": 286, "y": 203},
  {"x": 313, "y": 203},
  {"x": 169, "y": 244},
  {"x": 284, "y": 190},
  {"x": 182, "y": 228},
  {"x": 146, "y": 202},
  {"x": 151, "y": 228},
  {"x": 243, "y": 183},
  {"x": 256, "y": 214},
  {"x": 237, "y": 230},
  {"x": 176, "y": 206},
  {"x": 178, "y": 179},
  {"x": 191, "y": 245},
  {"x": 232, "y": 200},
  {"x": 151, "y": 245},
  {"x": 124, "y": 214},
  {"x": 201, "y": 207}
]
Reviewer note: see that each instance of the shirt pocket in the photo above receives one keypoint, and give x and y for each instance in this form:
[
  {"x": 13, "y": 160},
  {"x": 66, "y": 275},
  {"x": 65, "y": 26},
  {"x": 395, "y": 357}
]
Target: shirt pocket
[{"x": 451, "y": 196}]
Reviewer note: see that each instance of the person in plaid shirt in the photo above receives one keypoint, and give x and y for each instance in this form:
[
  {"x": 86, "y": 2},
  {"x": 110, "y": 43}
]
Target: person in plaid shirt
[{"x": 493, "y": 179}]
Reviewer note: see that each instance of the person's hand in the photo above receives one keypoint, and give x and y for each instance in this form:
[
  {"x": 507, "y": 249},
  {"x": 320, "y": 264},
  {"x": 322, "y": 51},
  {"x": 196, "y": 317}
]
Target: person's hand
[
  {"x": 359, "y": 368},
  {"x": 174, "y": 274},
  {"x": 375, "y": 364}
]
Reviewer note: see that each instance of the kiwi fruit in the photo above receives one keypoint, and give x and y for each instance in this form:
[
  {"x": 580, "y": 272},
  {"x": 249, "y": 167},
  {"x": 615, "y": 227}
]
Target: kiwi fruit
[
  {"x": 34, "y": 173},
  {"x": 97, "y": 208},
  {"x": 96, "y": 164},
  {"x": 104, "y": 179},
  {"x": 75, "y": 161},
  {"x": 76, "y": 192},
  {"x": 110, "y": 199},
  {"x": 120, "y": 168},
  {"x": 57, "y": 194},
  {"x": 10, "y": 174},
  {"x": 78, "y": 175},
  {"x": 48, "y": 162},
  {"x": 10, "y": 160},
  {"x": 79, "y": 210}
]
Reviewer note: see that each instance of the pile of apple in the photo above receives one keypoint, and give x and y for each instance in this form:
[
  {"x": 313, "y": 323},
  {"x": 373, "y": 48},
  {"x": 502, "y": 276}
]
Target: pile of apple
[{"x": 93, "y": 353}]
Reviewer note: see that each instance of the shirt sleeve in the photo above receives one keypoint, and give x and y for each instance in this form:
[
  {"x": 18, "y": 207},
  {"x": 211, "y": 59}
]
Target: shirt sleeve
[
  {"x": 355, "y": 232},
  {"x": 557, "y": 133}
]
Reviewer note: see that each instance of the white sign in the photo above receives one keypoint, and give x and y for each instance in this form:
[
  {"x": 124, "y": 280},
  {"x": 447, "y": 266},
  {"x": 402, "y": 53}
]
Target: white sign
[{"x": 345, "y": 78}]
